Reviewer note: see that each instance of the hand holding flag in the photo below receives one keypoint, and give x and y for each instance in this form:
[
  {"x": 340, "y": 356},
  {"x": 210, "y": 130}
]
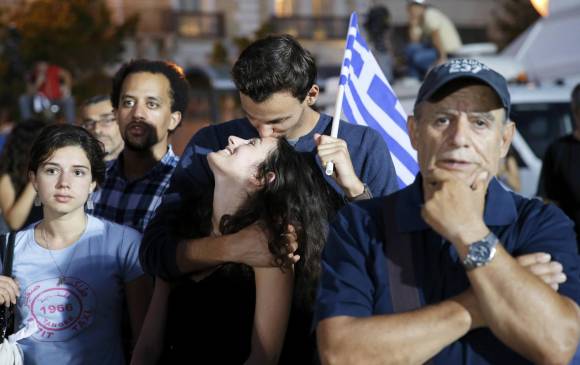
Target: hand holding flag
[{"x": 366, "y": 98}]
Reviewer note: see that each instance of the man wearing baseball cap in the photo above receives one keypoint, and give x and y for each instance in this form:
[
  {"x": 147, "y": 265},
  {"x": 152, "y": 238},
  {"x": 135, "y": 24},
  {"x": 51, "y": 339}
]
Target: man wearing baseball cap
[{"x": 429, "y": 274}]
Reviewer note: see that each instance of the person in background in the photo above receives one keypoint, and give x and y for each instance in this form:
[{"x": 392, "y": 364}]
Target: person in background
[
  {"x": 508, "y": 173},
  {"x": 378, "y": 28},
  {"x": 149, "y": 99},
  {"x": 6, "y": 125},
  {"x": 17, "y": 195},
  {"x": 433, "y": 38},
  {"x": 560, "y": 177},
  {"x": 48, "y": 84},
  {"x": 98, "y": 118},
  {"x": 72, "y": 271}
]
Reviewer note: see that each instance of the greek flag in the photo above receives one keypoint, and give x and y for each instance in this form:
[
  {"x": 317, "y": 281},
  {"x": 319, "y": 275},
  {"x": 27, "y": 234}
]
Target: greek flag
[{"x": 370, "y": 100}]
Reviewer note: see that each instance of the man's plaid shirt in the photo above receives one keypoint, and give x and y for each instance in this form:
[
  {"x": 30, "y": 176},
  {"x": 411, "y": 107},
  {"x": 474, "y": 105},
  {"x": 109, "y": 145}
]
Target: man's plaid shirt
[{"x": 133, "y": 203}]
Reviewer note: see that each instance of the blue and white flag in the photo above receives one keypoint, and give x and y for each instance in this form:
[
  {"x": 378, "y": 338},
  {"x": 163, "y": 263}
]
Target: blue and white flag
[{"x": 369, "y": 100}]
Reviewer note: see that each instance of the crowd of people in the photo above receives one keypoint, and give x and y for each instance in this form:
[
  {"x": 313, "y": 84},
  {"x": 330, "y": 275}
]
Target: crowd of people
[{"x": 243, "y": 251}]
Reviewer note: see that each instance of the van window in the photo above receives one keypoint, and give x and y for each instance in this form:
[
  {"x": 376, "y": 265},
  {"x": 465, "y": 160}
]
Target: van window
[{"x": 541, "y": 123}]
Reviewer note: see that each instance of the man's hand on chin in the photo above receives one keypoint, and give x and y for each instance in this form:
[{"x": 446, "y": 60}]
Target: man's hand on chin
[{"x": 454, "y": 205}]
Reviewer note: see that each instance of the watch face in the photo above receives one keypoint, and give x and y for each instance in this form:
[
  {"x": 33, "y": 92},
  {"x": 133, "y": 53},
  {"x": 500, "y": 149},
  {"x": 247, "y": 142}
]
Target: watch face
[{"x": 480, "y": 252}]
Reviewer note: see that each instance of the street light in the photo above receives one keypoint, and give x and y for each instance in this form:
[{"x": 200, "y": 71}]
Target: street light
[{"x": 541, "y": 6}]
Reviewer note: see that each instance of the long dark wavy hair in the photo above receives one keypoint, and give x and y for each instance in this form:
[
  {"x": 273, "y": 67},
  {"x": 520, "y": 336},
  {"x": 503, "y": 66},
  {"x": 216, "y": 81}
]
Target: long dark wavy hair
[
  {"x": 298, "y": 196},
  {"x": 16, "y": 152}
]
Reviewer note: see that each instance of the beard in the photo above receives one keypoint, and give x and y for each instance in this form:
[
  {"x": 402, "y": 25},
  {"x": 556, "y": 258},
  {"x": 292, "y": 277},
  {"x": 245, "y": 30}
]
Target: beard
[{"x": 143, "y": 142}]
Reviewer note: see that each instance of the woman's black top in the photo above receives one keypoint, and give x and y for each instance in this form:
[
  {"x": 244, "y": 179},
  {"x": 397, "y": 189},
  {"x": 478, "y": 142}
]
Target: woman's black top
[{"x": 211, "y": 321}]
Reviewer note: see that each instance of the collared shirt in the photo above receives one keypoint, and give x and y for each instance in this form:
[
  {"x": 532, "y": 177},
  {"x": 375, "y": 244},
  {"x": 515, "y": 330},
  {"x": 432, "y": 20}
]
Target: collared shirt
[
  {"x": 368, "y": 152},
  {"x": 133, "y": 203},
  {"x": 354, "y": 279}
]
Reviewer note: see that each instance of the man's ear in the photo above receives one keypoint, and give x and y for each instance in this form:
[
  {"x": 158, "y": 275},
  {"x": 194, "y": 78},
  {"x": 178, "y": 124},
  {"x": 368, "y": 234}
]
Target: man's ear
[
  {"x": 507, "y": 135},
  {"x": 412, "y": 130},
  {"x": 175, "y": 119},
  {"x": 312, "y": 95}
]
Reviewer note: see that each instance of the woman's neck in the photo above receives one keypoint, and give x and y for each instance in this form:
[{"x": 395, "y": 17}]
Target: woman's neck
[
  {"x": 228, "y": 196},
  {"x": 57, "y": 232}
]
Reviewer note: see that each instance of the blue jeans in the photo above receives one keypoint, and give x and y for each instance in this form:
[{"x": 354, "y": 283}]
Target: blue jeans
[{"x": 420, "y": 57}]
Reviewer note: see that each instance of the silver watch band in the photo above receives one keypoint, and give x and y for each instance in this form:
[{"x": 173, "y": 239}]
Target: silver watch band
[{"x": 481, "y": 252}]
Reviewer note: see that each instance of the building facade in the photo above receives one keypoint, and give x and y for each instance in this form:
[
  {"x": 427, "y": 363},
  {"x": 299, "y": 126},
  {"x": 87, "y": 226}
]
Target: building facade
[{"x": 192, "y": 31}]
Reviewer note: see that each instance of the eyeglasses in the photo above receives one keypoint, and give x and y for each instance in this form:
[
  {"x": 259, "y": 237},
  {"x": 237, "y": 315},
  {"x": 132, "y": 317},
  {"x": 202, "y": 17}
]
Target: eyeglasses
[{"x": 105, "y": 121}]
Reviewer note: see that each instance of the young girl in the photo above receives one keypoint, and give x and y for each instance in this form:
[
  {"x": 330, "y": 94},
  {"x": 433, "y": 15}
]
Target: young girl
[
  {"x": 237, "y": 314},
  {"x": 16, "y": 191},
  {"x": 72, "y": 271}
]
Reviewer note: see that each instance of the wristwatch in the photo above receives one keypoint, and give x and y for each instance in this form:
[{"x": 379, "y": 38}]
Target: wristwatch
[
  {"x": 366, "y": 194},
  {"x": 480, "y": 252}
]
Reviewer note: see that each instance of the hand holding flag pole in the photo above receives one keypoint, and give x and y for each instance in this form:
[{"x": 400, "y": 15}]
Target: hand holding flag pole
[{"x": 366, "y": 98}]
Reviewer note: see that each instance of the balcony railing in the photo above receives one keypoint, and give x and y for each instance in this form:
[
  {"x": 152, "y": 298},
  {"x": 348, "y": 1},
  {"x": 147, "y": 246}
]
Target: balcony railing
[
  {"x": 199, "y": 24},
  {"x": 311, "y": 27}
]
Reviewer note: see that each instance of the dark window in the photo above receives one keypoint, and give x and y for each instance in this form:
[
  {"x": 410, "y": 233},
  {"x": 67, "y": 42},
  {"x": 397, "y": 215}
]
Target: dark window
[{"x": 541, "y": 123}]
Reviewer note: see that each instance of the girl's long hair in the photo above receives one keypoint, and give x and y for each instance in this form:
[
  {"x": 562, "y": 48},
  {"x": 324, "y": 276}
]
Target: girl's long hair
[
  {"x": 16, "y": 152},
  {"x": 297, "y": 196}
]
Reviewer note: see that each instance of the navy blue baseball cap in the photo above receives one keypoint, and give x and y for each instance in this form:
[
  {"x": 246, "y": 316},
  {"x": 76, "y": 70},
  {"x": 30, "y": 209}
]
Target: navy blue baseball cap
[{"x": 461, "y": 68}]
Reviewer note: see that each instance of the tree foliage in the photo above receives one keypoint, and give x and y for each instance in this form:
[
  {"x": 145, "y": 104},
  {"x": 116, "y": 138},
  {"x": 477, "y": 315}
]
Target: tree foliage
[{"x": 78, "y": 35}]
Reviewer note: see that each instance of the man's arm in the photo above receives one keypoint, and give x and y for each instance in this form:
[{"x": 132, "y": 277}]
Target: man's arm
[
  {"x": 349, "y": 295},
  {"x": 248, "y": 246},
  {"x": 158, "y": 251},
  {"x": 376, "y": 165},
  {"x": 438, "y": 44},
  {"x": 525, "y": 313},
  {"x": 168, "y": 256},
  {"x": 520, "y": 309},
  {"x": 406, "y": 338},
  {"x": 415, "y": 32}
]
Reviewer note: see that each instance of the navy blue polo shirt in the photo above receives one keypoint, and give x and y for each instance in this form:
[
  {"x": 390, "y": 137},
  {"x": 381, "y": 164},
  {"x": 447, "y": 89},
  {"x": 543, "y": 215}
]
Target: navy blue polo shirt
[
  {"x": 354, "y": 280},
  {"x": 368, "y": 152}
]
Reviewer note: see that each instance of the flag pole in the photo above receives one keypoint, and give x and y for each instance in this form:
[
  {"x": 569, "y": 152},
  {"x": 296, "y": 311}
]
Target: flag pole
[{"x": 340, "y": 95}]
